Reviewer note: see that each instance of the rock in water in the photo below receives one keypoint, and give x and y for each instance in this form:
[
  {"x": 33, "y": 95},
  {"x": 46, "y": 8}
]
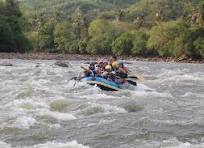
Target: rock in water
[
  {"x": 62, "y": 64},
  {"x": 6, "y": 64}
]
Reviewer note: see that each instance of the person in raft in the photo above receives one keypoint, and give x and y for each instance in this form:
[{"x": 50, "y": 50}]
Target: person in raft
[{"x": 114, "y": 71}]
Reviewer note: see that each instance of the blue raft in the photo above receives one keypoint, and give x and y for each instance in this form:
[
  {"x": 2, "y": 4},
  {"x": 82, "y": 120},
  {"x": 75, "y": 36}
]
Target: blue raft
[{"x": 102, "y": 83}]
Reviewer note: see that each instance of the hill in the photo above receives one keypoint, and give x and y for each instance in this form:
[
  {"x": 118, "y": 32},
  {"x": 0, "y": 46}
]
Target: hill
[{"x": 167, "y": 28}]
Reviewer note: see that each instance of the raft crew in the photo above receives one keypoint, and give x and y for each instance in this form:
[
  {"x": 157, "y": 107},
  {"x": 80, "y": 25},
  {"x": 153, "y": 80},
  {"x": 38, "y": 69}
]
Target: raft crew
[{"x": 113, "y": 71}]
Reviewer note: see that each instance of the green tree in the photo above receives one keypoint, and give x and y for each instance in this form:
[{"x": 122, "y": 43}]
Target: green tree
[
  {"x": 6, "y": 36},
  {"x": 46, "y": 36},
  {"x": 12, "y": 38},
  {"x": 101, "y": 33},
  {"x": 199, "y": 46},
  {"x": 12, "y": 8},
  {"x": 169, "y": 38},
  {"x": 123, "y": 44},
  {"x": 63, "y": 36},
  {"x": 79, "y": 24},
  {"x": 139, "y": 43},
  {"x": 195, "y": 42}
]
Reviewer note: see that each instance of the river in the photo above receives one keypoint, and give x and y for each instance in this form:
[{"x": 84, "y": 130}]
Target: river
[{"x": 41, "y": 108}]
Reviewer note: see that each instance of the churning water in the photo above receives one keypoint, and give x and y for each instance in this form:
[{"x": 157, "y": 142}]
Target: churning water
[{"x": 41, "y": 108}]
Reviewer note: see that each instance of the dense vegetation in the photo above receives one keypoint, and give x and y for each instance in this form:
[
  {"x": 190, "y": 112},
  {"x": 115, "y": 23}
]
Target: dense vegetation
[
  {"x": 11, "y": 36},
  {"x": 168, "y": 28}
]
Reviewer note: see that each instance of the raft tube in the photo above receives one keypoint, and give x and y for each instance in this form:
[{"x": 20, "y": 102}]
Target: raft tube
[{"x": 102, "y": 83}]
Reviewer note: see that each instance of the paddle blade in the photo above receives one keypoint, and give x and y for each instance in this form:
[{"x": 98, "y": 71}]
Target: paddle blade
[{"x": 132, "y": 82}]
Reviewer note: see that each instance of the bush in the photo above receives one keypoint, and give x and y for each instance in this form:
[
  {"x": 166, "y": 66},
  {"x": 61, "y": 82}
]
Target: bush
[
  {"x": 6, "y": 36},
  {"x": 169, "y": 38},
  {"x": 82, "y": 46},
  {"x": 46, "y": 36},
  {"x": 73, "y": 47},
  {"x": 123, "y": 44},
  {"x": 199, "y": 46},
  {"x": 195, "y": 42},
  {"x": 63, "y": 37},
  {"x": 101, "y": 34},
  {"x": 139, "y": 44},
  {"x": 12, "y": 38}
]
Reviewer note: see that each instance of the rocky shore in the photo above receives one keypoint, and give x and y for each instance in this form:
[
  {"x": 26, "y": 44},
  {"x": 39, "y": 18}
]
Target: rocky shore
[{"x": 52, "y": 56}]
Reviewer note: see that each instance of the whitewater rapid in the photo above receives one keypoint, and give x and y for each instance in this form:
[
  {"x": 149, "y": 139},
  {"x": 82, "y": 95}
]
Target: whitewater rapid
[{"x": 41, "y": 107}]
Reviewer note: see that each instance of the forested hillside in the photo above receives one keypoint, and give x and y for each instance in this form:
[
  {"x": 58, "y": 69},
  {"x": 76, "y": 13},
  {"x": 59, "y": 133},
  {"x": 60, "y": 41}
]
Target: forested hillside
[{"x": 168, "y": 28}]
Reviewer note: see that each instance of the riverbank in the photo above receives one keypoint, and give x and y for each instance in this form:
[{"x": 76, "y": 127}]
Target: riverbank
[{"x": 53, "y": 56}]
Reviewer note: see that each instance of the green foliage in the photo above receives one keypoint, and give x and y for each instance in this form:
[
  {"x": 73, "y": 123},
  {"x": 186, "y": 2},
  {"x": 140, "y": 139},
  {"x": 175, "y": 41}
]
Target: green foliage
[
  {"x": 12, "y": 8},
  {"x": 63, "y": 36},
  {"x": 46, "y": 36},
  {"x": 199, "y": 46},
  {"x": 12, "y": 38},
  {"x": 137, "y": 27},
  {"x": 82, "y": 45},
  {"x": 145, "y": 11},
  {"x": 6, "y": 35},
  {"x": 123, "y": 44},
  {"x": 131, "y": 43},
  {"x": 139, "y": 44},
  {"x": 169, "y": 39},
  {"x": 196, "y": 33},
  {"x": 101, "y": 35}
]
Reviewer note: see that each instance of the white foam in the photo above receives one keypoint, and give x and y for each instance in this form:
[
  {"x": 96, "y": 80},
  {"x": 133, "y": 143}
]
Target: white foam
[
  {"x": 179, "y": 75},
  {"x": 34, "y": 104},
  {"x": 190, "y": 94},
  {"x": 151, "y": 94},
  {"x": 57, "y": 115},
  {"x": 72, "y": 144},
  {"x": 62, "y": 116},
  {"x": 53, "y": 144},
  {"x": 175, "y": 143},
  {"x": 102, "y": 121},
  {"x": 142, "y": 87},
  {"x": 4, "y": 145},
  {"x": 170, "y": 143},
  {"x": 97, "y": 96},
  {"x": 55, "y": 126},
  {"x": 24, "y": 122},
  {"x": 95, "y": 108}
]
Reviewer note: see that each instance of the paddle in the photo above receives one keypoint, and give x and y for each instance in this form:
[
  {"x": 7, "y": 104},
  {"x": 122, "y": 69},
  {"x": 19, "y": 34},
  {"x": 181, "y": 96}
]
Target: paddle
[
  {"x": 132, "y": 82},
  {"x": 138, "y": 77},
  {"x": 132, "y": 77},
  {"x": 73, "y": 78},
  {"x": 129, "y": 81}
]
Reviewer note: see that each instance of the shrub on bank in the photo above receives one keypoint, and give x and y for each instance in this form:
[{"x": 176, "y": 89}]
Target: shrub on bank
[
  {"x": 169, "y": 38},
  {"x": 123, "y": 44},
  {"x": 101, "y": 35}
]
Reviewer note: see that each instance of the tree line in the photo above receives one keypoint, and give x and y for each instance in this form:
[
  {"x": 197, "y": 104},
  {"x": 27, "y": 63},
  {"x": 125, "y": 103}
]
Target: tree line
[
  {"x": 12, "y": 38},
  {"x": 134, "y": 27}
]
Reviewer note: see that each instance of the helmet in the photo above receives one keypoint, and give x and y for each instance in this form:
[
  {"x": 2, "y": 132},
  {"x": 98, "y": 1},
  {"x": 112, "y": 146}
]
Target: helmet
[
  {"x": 115, "y": 65},
  {"x": 108, "y": 68},
  {"x": 120, "y": 63}
]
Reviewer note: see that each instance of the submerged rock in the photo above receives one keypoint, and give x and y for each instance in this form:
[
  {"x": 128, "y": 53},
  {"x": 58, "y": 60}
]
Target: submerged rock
[
  {"x": 62, "y": 64},
  {"x": 132, "y": 107},
  {"x": 6, "y": 64}
]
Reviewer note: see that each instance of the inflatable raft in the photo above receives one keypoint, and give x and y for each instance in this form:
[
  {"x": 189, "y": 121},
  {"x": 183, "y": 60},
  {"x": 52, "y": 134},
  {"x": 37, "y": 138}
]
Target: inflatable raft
[{"x": 105, "y": 84}]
